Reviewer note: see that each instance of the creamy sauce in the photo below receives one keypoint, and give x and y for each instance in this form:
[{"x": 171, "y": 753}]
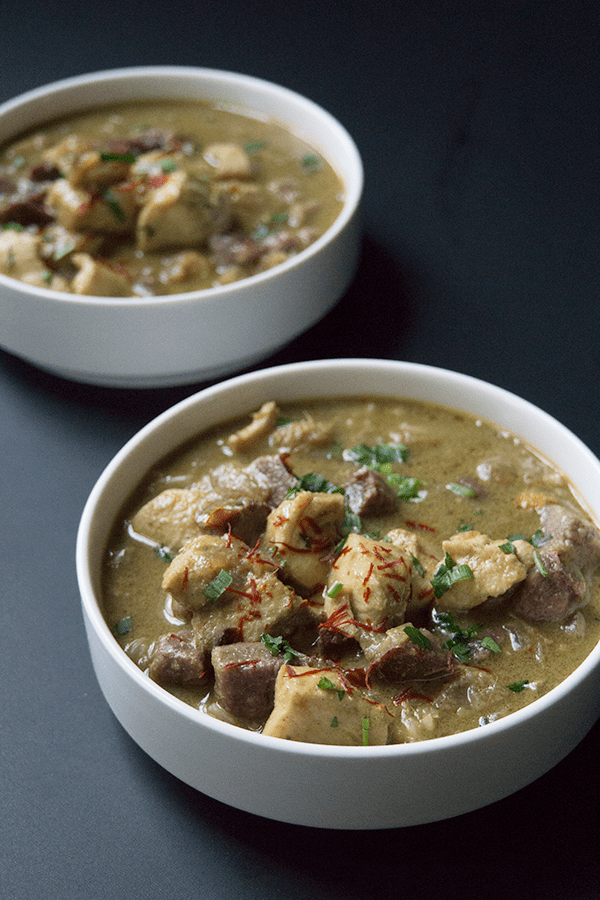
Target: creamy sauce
[
  {"x": 471, "y": 477},
  {"x": 159, "y": 197}
]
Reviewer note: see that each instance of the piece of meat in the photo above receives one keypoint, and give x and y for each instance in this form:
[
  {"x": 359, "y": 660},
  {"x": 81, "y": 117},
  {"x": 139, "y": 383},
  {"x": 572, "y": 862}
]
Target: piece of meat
[
  {"x": 300, "y": 434},
  {"x": 19, "y": 256},
  {"x": 375, "y": 578},
  {"x": 425, "y": 562},
  {"x": 494, "y": 571},
  {"x": 575, "y": 539},
  {"x": 97, "y": 280},
  {"x": 245, "y": 676},
  {"x": 113, "y": 212},
  {"x": 369, "y": 494},
  {"x": 25, "y": 210},
  {"x": 263, "y": 422},
  {"x": 246, "y": 522},
  {"x": 319, "y": 706},
  {"x": 394, "y": 658},
  {"x": 273, "y": 472},
  {"x": 551, "y": 595},
  {"x": 228, "y": 161},
  {"x": 176, "y": 659},
  {"x": 178, "y": 213},
  {"x": 302, "y": 532},
  {"x": 557, "y": 583}
]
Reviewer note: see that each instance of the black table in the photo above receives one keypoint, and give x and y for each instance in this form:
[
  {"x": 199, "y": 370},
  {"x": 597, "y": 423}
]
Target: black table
[{"x": 478, "y": 126}]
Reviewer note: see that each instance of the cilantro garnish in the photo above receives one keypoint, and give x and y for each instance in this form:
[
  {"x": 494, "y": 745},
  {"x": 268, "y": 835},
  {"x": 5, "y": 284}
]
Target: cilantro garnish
[
  {"x": 461, "y": 490},
  {"x": 539, "y": 564},
  {"x": 447, "y": 574},
  {"x": 279, "y": 646},
  {"x": 417, "y": 565},
  {"x": 218, "y": 585},
  {"x": 114, "y": 205},
  {"x": 406, "y": 488},
  {"x": 326, "y": 684},
  {"x": 316, "y": 483},
  {"x": 117, "y": 157},
  {"x": 490, "y": 644},
  {"x": 254, "y": 146},
  {"x": 311, "y": 162},
  {"x": 124, "y": 625},
  {"x": 380, "y": 457},
  {"x": 517, "y": 686},
  {"x": 416, "y": 637},
  {"x": 164, "y": 553}
]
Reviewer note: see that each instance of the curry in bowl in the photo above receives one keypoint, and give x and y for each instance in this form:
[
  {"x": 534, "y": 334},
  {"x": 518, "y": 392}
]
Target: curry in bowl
[
  {"x": 159, "y": 197},
  {"x": 359, "y": 572}
]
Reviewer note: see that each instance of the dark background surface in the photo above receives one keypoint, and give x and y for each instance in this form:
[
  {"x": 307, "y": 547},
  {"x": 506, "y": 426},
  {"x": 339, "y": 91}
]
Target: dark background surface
[{"x": 478, "y": 127}]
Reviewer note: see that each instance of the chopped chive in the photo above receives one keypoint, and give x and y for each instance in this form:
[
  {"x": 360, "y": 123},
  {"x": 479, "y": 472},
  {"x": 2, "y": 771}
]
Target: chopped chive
[{"x": 218, "y": 585}]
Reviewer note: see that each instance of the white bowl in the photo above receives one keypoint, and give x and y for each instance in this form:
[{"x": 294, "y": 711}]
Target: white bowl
[
  {"x": 182, "y": 338},
  {"x": 309, "y": 784}
]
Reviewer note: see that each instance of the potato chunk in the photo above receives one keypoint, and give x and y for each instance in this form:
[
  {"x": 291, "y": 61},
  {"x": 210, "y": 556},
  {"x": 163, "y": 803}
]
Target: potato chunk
[{"x": 315, "y": 706}]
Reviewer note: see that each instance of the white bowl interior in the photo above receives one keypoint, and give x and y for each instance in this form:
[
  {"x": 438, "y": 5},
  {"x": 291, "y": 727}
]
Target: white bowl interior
[{"x": 368, "y": 787}]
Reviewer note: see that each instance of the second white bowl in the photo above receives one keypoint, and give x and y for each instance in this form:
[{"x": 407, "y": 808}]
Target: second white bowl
[{"x": 183, "y": 338}]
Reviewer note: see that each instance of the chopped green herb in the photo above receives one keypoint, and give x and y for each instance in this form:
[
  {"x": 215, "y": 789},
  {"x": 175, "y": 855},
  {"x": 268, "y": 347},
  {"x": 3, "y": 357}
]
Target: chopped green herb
[
  {"x": 114, "y": 205},
  {"x": 124, "y": 625},
  {"x": 417, "y": 637},
  {"x": 380, "y": 457},
  {"x": 517, "y": 686},
  {"x": 117, "y": 157},
  {"x": 540, "y": 565},
  {"x": 315, "y": 483},
  {"x": 12, "y": 226},
  {"x": 459, "y": 642},
  {"x": 254, "y": 146},
  {"x": 508, "y": 547},
  {"x": 326, "y": 684},
  {"x": 462, "y": 490},
  {"x": 490, "y": 644},
  {"x": 164, "y": 553},
  {"x": 417, "y": 565},
  {"x": 279, "y": 646},
  {"x": 218, "y": 585},
  {"x": 311, "y": 162},
  {"x": 283, "y": 420},
  {"x": 447, "y": 574},
  {"x": 539, "y": 538},
  {"x": 334, "y": 722},
  {"x": 406, "y": 488},
  {"x": 465, "y": 527},
  {"x": 64, "y": 251},
  {"x": 365, "y": 730},
  {"x": 334, "y": 589}
]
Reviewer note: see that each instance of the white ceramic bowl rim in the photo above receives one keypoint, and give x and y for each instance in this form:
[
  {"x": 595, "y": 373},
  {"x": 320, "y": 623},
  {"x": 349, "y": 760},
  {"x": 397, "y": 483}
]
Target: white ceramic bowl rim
[
  {"x": 353, "y": 187},
  {"x": 427, "y": 747}
]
